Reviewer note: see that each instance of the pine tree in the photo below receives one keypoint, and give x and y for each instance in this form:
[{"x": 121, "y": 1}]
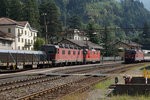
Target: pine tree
[
  {"x": 52, "y": 19},
  {"x": 4, "y": 8},
  {"x": 31, "y": 13},
  {"x": 108, "y": 42},
  {"x": 146, "y": 31},
  {"x": 92, "y": 33},
  {"x": 16, "y": 10},
  {"x": 75, "y": 22}
]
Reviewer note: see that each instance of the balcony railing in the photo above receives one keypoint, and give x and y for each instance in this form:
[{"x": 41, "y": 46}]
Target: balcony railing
[
  {"x": 28, "y": 44},
  {"x": 19, "y": 34}
]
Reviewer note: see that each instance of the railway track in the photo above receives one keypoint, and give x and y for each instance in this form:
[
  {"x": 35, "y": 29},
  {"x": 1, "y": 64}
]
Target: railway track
[
  {"x": 39, "y": 79},
  {"x": 4, "y": 87},
  {"x": 71, "y": 87}
]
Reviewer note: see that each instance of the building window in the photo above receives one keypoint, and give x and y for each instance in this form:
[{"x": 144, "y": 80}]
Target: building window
[
  {"x": 28, "y": 41},
  {"x": 25, "y": 32},
  {"x": 25, "y": 40},
  {"x": 9, "y": 30},
  {"x": 22, "y": 40},
  {"x": 63, "y": 52},
  {"x": 3, "y": 43},
  {"x": 9, "y": 44},
  {"x": 18, "y": 47},
  {"x": 22, "y": 31},
  {"x": 22, "y": 48},
  {"x": 18, "y": 39},
  {"x": 18, "y": 31}
]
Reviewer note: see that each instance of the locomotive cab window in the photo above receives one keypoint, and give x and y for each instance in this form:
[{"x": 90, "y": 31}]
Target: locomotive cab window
[
  {"x": 51, "y": 50},
  {"x": 94, "y": 52},
  {"x": 97, "y": 52}
]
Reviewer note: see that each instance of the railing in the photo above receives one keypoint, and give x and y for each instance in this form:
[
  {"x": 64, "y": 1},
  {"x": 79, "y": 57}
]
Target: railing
[{"x": 28, "y": 44}]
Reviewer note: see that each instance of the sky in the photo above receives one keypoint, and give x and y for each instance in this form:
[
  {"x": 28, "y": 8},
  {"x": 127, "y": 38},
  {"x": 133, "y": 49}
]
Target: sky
[{"x": 146, "y": 4}]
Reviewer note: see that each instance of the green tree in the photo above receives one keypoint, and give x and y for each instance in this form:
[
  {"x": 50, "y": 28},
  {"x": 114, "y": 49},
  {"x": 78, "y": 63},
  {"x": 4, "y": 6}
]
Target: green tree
[
  {"x": 16, "y": 9},
  {"x": 4, "y": 8},
  {"x": 146, "y": 31},
  {"x": 93, "y": 34},
  {"x": 108, "y": 40},
  {"x": 31, "y": 13},
  {"x": 52, "y": 19},
  {"x": 38, "y": 43},
  {"x": 75, "y": 22}
]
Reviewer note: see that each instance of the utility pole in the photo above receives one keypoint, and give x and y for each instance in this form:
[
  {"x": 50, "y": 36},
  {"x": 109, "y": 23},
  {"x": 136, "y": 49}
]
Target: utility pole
[{"x": 45, "y": 23}]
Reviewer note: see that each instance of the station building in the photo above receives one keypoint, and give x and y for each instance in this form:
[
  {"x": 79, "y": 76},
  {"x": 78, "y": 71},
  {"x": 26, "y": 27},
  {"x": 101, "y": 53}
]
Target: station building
[
  {"x": 126, "y": 45},
  {"x": 21, "y": 35}
]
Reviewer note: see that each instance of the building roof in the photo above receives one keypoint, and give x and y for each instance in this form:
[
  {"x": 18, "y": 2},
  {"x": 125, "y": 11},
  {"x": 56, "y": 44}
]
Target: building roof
[
  {"x": 130, "y": 43},
  {"x": 7, "y": 21},
  {"x": 82, "y": 43},
  {"x": 6, "y": 35}
]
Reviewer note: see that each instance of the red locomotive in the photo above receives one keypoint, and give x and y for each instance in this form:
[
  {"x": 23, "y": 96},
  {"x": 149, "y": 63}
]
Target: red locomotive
[
  {"x": 134, "y": 55},
  {"x": 65, "y": 54}
]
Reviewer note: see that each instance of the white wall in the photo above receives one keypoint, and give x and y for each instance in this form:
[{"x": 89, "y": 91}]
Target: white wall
[{"x": 28, "y": 37}]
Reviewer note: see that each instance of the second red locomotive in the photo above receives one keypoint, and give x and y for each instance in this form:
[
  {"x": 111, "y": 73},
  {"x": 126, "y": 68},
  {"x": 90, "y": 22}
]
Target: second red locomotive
[{"x": 65, "y": 54}]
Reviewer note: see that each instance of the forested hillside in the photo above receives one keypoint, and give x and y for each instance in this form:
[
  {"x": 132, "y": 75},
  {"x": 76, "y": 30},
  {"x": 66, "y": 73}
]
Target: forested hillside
[
  {"x": 128, "y": 13},
  {"x": 61, "y": 15}
]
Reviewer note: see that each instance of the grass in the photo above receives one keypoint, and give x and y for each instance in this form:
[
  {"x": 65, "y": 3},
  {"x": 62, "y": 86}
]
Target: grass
[
  {"x": 19, "y": 91},
  {"x": 103, "y": 85},
  {"x": 77, "y": 96}
]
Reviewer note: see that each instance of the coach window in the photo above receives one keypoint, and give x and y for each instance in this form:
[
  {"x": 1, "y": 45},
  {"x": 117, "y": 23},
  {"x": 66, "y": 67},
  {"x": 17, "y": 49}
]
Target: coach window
[
  {"x": 74, "y": 52},
  {"x": 69, "y": 52},
  {"x": 97, "y": 52},
  {"x": 63, "y": 52},
  {"x": 78, "y": 52}
]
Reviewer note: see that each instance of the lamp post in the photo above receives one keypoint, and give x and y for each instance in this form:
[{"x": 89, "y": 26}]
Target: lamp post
[{"x": 45, "y": 14}]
